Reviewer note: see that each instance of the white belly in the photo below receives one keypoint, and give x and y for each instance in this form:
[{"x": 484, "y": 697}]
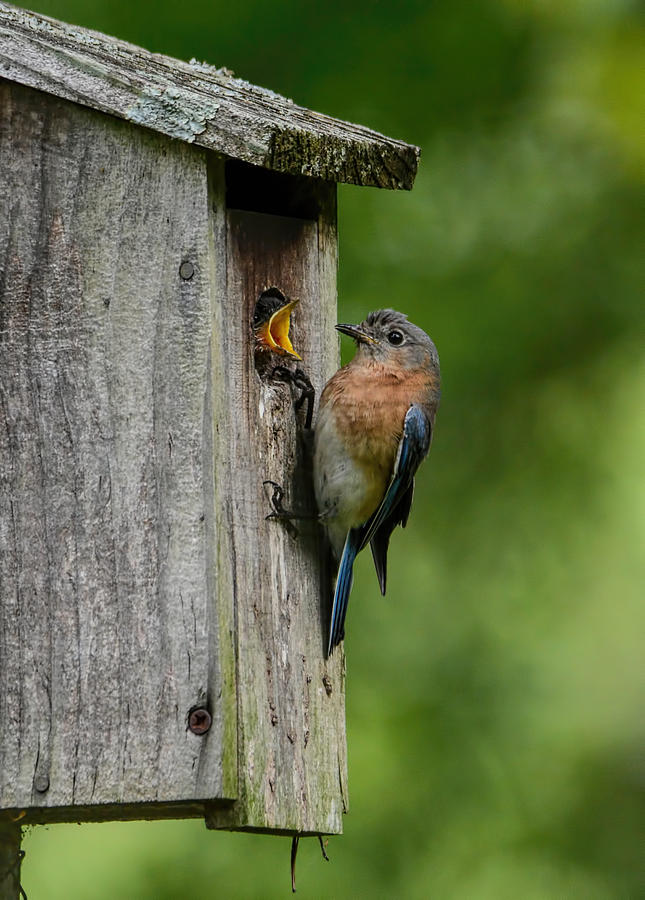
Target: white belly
[{"x": 342, "y": 487}]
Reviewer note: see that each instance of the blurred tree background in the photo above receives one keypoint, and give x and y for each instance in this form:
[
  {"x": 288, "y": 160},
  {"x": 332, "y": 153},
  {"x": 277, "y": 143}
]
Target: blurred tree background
[{"x": 494, "y": 698}]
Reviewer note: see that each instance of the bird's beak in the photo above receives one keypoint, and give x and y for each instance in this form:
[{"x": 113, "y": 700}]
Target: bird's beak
[
  {"x": 353, "y": 331},
  {"x": 274, "y": 333}
]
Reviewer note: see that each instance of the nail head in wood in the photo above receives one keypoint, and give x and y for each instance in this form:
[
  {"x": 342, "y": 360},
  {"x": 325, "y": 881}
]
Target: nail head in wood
[
  {"x": 199, "y": 720},
  {"x": 186, "y": 270},
  {"x": 41, "y": 783}
]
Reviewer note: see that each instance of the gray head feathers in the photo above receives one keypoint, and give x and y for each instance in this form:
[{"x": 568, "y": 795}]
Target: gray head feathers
[{"x": 388, "y": 335}]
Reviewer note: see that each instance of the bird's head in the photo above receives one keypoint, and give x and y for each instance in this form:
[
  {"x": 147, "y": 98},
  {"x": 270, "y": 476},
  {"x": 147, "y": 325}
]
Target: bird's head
[
  {"x": 271, "y": 323},
  {"x": 386, "y": 336}
]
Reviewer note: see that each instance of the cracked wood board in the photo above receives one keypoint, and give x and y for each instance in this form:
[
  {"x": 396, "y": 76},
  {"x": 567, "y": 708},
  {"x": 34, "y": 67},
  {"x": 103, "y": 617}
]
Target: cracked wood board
[
  {"x": 292, "y": 773},
  {"x": 110, "y": 607}
]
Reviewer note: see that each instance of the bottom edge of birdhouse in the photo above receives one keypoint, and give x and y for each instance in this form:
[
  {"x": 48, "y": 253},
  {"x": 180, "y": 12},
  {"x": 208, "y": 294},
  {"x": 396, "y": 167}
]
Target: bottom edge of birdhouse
[
  {"x": 234, "y": 818},
  {"x": 112, "y": 812}
]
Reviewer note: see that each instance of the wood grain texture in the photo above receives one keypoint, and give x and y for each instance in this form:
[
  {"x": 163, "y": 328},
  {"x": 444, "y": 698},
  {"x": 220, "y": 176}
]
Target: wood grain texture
[
  {"x": 196, "y": 103},
  {"x": 109, "y": 629},
  {"x": 291, "y": 699},
  {"x": 138, "y": 576}
]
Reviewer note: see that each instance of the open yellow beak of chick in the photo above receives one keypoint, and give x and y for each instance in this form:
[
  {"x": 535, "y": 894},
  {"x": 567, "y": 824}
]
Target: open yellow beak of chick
[{"x": 272, "y": 322}]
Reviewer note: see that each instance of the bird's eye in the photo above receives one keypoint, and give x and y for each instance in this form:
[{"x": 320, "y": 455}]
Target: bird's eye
[{"x": 395, "y": 337}]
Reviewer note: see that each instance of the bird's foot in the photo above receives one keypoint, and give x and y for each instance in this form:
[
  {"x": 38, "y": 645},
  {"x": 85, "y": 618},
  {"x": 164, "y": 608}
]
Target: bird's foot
[
  {"x": 279, "y": 512},
  {"x": 300, "y": 380},
  {"x": 285, "y": 515},
  {"x": 307, "y": 394},
  {"x": 276, "y": 498}
]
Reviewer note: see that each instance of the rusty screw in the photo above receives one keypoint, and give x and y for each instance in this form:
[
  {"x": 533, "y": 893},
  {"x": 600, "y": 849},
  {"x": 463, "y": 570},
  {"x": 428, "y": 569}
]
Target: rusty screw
[
  {"x": 186, "y": 270},
  {"x": 199, "y": 720}
]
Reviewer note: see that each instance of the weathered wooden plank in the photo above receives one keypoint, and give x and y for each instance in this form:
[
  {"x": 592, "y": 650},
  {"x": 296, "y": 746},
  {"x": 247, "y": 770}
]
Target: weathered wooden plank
[
  {"x": 196, "y": 103},
  {"x": 138, "y": 577},
  {"x": 291, "y": 699},
  {"x": 112, "y": 621}
]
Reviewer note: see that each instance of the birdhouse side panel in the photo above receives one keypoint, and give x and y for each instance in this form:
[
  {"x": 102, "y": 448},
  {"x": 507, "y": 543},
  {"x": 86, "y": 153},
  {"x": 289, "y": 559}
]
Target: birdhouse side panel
[
  {"x": 110, "y": 608},
  {"x": 290, "y": 697}
]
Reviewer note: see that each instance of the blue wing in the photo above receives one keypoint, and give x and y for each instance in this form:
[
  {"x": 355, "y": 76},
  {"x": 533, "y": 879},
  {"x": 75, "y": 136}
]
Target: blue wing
[
  {"x": 393, "y": 510},
  {"x": 381, "y": 537},
  {"x": 395, "y": 506},
  {"x": 343, "y": 587}
]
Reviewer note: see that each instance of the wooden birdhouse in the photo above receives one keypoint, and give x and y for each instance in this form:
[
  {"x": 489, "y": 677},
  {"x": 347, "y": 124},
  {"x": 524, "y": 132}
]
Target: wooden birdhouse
[{"x": 162, "y": 644}]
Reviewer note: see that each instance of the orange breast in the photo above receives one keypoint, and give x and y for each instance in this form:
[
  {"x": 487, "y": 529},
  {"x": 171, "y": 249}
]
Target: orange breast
[{"x": 370, "y": 403}]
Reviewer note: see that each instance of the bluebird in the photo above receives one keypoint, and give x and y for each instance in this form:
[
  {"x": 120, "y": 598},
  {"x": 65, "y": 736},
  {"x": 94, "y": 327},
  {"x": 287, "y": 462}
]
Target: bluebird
[
  {"x": 374, "y": 428},
  {"x": 271, "y": 325},
  {"x": 271, "y": 322}
]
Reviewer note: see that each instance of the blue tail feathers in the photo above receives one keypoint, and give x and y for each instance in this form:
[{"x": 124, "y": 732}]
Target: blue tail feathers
[{"x": 343, "y": 588}]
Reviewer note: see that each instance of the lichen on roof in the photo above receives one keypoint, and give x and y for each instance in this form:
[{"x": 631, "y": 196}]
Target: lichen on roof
[{"x": 196, "y": 102}]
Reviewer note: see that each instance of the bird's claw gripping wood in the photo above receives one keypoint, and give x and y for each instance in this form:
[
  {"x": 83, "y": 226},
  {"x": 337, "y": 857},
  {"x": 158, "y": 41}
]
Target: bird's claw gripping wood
[
  {"x": 279, "y": 512},
  {"x": 308, "y": 393},
  {"x": 300, "y": 380}
]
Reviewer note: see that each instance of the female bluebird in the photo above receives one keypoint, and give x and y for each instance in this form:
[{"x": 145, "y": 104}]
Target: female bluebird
[{"x": 374, "y": 428}]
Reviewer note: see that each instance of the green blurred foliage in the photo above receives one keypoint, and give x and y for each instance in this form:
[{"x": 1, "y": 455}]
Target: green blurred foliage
[{"x": 494, "y": 702}]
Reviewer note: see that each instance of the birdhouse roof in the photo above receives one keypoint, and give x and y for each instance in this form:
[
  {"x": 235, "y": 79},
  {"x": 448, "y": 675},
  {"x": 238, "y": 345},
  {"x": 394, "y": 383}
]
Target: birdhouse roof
[{"x": 196, "y": 102}]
